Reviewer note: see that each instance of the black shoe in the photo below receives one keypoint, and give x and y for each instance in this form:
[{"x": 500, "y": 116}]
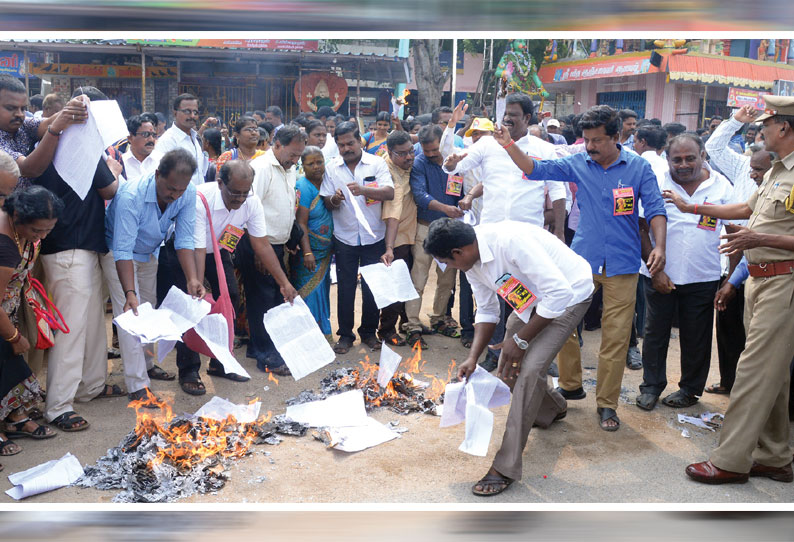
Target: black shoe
[
  {"x": 553, "y": 370},
  {"x": 573, "y": 395},
  {"x": 634, "y": 358}
]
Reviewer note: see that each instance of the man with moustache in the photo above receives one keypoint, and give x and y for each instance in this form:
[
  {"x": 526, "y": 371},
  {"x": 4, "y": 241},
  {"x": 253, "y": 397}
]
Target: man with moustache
[
  {"x": 136, "y": 224},
  {"x": 275, "y": 176},
  {"x": 610, "y": 182},
  {"x": 366, "y": 178},
  {"x": 233, "y": 208},
  {"x": 140, "y": 158},
  {"x": 754, "y": 440},
  {"x": 401, "y": 222},
  {"x": 746, "y": 174},
  {"x": 688, "y": 282},
  {"x": 182, "y": 134},
  {"x": 506, "y": 193},
  {"x": 628, "y": 119}
]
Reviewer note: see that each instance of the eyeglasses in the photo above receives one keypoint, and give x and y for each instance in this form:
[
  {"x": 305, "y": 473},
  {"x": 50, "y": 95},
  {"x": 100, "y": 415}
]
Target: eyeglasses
[
  {"x": 189, "y": 111},
  {"x": 146, "y": 135},
  {"x": 403, "y": 154},
  {"x": 239, "y": 195}
]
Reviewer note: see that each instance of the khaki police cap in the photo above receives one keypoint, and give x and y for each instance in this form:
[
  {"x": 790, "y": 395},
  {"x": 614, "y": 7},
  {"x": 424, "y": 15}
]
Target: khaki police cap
[{"x": 777, "y": 105}]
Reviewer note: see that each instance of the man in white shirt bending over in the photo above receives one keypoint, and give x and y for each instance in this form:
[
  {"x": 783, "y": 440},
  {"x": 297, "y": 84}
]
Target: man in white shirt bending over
[{"x": 549, "y": 288}]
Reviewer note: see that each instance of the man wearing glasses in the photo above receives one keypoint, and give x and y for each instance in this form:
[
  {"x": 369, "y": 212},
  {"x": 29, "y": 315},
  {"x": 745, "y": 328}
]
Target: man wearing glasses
[
  {"x": 234, "y": 210},
  {"x": 140, "y": 158},
  {"x": 183, "y": 135}
]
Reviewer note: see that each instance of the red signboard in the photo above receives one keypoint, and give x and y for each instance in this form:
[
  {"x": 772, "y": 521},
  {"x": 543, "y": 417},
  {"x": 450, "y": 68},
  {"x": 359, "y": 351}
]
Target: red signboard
[
  {"x": 737, "y": 97},
  {"x": 614, "y": 67}
]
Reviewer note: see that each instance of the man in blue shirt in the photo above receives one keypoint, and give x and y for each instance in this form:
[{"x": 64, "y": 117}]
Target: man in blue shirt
[
  {"x": 610, "y": 182},
  {"x": 440, "y": 117},
  {"x": 137, "y": 222},
  {"x": 436, "y": 194}
]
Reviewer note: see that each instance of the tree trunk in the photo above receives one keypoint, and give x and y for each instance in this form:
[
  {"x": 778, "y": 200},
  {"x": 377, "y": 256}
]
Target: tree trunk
[{"x": 427, "y": 70}]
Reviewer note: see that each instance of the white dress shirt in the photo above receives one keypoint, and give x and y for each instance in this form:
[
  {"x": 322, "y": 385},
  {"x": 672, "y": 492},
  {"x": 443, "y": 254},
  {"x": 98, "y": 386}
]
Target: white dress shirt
[
  {"x": 347, "y": 228},
  {"x": 250, "y": 216},
  {"x": 174, "y": 138},
  {"x": 659, "y": 165},
  {"x": 275, "y": 188},
  {"x": 735, "y": 166},
  {"x": 507, "y": 195},
  {"x": 330, "y": 150},
  {"x": 692, "y": 251},
  {"x": 554, "y": 273},
  {"x": 135, "y": 169}
]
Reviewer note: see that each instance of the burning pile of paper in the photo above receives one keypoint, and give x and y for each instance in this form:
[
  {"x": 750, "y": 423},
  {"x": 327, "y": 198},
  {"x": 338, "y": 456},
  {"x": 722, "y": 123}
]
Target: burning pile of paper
[{"x": 168, "y": 458}]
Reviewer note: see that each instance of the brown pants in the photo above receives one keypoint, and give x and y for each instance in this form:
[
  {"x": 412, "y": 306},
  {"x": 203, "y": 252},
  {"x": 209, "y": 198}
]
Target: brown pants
[
  {"x": 620, "y": 293},
  {"x": 533, "y": 400},
  {"x": 756, "y": 424}
]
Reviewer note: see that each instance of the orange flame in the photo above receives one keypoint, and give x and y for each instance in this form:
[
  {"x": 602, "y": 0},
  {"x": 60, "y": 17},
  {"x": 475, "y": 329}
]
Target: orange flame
[
  {"x": 188, "y": 444},
  {"x": 270, "y": 376}
]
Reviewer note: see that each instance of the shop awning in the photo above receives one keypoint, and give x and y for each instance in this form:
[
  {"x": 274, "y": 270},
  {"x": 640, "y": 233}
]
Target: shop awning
[{"x": 727, "y": 70}]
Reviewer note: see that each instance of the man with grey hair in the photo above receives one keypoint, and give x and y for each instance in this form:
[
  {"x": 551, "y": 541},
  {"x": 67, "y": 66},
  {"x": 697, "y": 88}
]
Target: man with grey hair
[{"x": 9, "y": 175}]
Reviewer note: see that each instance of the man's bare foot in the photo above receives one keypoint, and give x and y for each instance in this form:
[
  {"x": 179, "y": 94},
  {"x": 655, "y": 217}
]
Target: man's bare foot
[{"x": 491, "y": 484}]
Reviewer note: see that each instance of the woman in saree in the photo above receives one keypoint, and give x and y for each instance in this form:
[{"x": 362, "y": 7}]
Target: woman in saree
[
  {"x": 375, "y": 142},
  {"x": 311, "y": 276},
  {"x": 27, "y": 216}
]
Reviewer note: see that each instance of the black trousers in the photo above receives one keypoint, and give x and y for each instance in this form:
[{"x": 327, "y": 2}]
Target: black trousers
[
  {"x": 391, "y": 314},
  {"x": 169, "y": 273},
  {"x": 694, "y": 304},
  {"x": 348, "y": 260},
  {"x": 730, "y": 338},
  {"x": 262, "y": 293}
]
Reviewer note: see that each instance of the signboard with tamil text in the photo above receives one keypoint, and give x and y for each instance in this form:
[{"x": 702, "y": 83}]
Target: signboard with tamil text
[
  {"x": 738, "y": 97},
  {"x": 607, "y": 68}
]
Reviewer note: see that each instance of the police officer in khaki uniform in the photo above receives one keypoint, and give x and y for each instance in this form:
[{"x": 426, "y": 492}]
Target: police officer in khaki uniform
[{"x": 755, "y": 435}]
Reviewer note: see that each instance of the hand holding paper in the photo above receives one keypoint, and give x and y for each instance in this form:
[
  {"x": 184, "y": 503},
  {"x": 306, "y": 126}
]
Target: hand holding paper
[{"x": 389, "y": 284}]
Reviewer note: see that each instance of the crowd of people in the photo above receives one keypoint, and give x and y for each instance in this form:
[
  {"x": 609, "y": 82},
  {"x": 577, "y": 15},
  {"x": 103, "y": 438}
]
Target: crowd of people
[{"x": 599, "y": 219}]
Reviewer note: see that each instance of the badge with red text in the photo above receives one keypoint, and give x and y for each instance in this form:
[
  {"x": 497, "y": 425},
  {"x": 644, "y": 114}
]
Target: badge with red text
[
  {"x": 623, "y": 201},
  {"x": 230, "y": 237},
  {"x": 371, "y": 201},
  {"x": 514, "y": 293},
  {"x": 454, "y": 185},
  {"x": 707, "y": 222}
]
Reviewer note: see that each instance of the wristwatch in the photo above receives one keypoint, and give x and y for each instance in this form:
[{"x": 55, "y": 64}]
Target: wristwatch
[{"x": 521, "y": 343}]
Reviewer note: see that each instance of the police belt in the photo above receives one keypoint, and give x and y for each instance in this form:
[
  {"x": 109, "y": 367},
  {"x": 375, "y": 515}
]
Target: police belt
[{"x": 771, "y": 269}]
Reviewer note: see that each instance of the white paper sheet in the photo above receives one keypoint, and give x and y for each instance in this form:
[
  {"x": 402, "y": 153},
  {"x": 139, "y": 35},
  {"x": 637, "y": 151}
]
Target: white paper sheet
[
  {"x": 81, "y": 145},
  {"x": 51, "y": 475},
  {"x": 163, "y": 349},
  {"x": 109, "y": 120},
  {"x": 471, "y": 401},
  {"x": 298, "y": 338},
  {"x": 333, "y": 273},
  {"x": 389, "y": 284},
  {"x": 185, "y": 311},
  {"x": 479, "y": 426},
  {"x": 361, "y": 437},
  {"x": 149, "y": 326},
  {"x": 214, "y": 330},
  {"x": 219, "y": 409},
  {"x": 389, "y": 361},
  {"x": 440, "y": 265},
  {"x": 342, "y": 410},
  {"x": 697, "y": 422},
  {"x": 362, "y": 219}
]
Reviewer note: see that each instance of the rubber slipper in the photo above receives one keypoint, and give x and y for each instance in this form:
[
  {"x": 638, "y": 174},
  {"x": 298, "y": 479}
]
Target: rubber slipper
[
  {"x": 115, "y": 391},
  {"x": 446, "y": 330},
  {"x": 342, "y": 346},
  {"x": 466, "y": 340},
  {"x": 679, "y": 399},
  {"x": 279, "y": 370},
  {"x": 156, "y": 373},
  {"x": 372, "y": 342},
  {"x": 234, "y": 377},
  {"x": 414, "y": 337},
  {"x": 646, "y": 401},
  {"x": 197, "y": 387},
  {"x": 718, "y": 389},
  {"x": 65, "y": 422},
  {"x": 605, "y": 414},
  {"x": 493, "y": 480},
  {"x": 6, "y": 443}
]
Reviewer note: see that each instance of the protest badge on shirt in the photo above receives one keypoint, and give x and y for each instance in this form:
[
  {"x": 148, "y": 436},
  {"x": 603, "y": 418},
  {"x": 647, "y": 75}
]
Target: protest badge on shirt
[
  {"x": 623, "y": 201},
  {"x": 370, "y": 181},
  {"x": 454, "y": 185},
  {"x": 514, "y": 293},
  {"x": 230, "y": 237},
  {"x": 707, "y": 222}
]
